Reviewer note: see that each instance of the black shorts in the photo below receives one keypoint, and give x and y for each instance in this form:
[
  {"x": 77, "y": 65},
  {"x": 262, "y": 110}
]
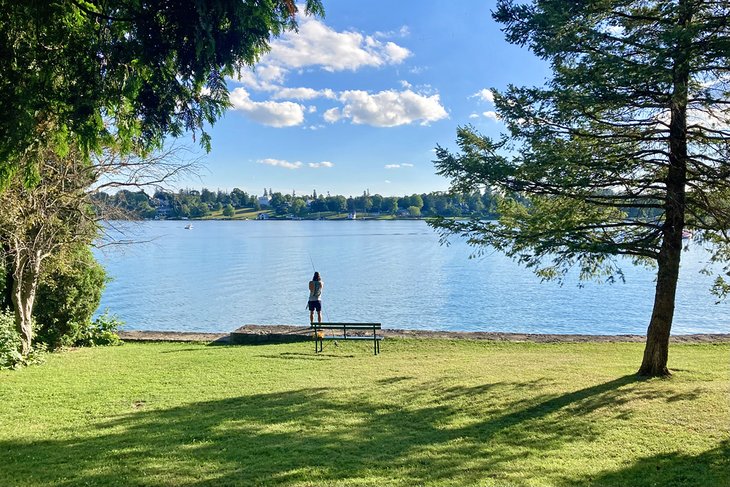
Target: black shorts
[{"x": 315, "y": 306}]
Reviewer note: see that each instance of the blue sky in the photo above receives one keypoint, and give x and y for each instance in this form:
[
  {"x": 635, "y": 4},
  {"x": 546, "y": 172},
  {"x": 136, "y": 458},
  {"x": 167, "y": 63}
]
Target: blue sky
[{"x": 359, "y": 99}]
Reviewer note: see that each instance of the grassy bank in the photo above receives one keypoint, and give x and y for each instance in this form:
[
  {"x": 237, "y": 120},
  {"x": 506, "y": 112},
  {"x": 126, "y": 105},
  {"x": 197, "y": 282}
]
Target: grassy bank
[{"x": 424, "y": 412}]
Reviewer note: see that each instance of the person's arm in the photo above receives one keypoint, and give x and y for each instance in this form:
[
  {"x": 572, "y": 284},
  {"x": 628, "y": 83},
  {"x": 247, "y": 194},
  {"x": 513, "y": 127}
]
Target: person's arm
[{"x": 311, "y": 285}]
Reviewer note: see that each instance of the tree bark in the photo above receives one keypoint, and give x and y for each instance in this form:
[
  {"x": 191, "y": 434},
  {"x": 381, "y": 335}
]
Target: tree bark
[
  {"x": 656, "y": 353},
  {"x": 25, "y": 284}
]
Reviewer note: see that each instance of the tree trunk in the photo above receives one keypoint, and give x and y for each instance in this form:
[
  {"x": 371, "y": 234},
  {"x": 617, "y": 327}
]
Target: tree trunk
[
  {"x": 25, "y": 284},
  {"x": 656, "y": 353}
]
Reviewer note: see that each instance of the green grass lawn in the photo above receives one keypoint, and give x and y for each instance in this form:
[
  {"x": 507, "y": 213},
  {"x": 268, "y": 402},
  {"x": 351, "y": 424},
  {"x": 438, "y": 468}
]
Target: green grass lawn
[{"x": 424, "y": 412}]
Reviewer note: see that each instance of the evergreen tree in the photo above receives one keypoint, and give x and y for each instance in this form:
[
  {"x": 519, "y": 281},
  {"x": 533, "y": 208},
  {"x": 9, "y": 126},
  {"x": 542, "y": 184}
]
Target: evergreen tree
[{"x": 635, "y": 115}]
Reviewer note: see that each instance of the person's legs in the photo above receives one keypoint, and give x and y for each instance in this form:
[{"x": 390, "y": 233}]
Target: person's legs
[
  {"x": 311, "y": 316},
  {"x": 319, "y": 316}
]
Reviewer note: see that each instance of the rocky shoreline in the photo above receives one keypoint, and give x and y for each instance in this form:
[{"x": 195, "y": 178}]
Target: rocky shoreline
[{"x": 278, "y": 333}]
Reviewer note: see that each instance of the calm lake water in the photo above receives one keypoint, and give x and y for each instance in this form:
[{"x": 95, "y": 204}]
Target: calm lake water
[{"x": 224, "y": 274}]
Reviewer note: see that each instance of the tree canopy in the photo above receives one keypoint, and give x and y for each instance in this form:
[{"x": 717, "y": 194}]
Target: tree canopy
[
  {"x": 635, "y": 116},
  {"x": 80, "y": 71}
]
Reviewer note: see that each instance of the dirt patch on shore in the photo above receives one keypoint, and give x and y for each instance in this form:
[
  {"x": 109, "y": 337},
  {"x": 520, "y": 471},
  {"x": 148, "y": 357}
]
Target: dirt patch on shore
[{"x": 273, "y": 331}]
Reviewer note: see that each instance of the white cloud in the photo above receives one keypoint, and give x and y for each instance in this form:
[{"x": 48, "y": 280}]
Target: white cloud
[
  {"x": 484, "y": 95},
  {"x": 491, "y": 115},
  {"x": 332, "y": 115},
  {"x": 398, "y": 166},
  {"x": 387, "y": 181},
  {"x": 302, "y": 93},
  {"x": 406, "y": 164},
  {"x": 316, "y": 44},
  {"x": 388, "y": 108},
  {"x": 404, "y": 31},
  {"x": 281, "y": 163},
  {"x": 294, "y": 165},
  {"x": 321, "y": 164},
  {"x": 311, "y": 109},
  {"x": 274, "y": 114},
  {"x": 473, "y": 115},
  {"x": 405, "y": 84},
  {"x": 264, "y": 77}
]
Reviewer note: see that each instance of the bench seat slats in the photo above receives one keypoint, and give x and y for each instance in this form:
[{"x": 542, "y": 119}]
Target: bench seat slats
[
  {"x": 359, "y": 328},
  {"x": 349, "y": 337}
]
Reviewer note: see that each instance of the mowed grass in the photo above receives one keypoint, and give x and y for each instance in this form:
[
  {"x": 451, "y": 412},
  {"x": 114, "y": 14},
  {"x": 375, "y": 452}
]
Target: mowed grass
[{"x": 424, "y": 412}]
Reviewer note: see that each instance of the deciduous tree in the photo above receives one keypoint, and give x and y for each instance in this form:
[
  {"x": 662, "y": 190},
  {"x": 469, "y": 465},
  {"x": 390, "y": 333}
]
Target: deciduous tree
[{"x": 79, "y": 71}]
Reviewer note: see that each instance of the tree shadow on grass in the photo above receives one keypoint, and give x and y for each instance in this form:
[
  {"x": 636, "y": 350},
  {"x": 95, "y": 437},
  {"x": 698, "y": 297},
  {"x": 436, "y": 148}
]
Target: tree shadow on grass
[
  {"x": 315, "y": 436},
  {"x": 710, "y": 468}
]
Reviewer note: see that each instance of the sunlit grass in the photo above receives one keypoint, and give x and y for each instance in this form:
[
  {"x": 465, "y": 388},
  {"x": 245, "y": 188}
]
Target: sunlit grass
[{"x": 424, "y": 412}]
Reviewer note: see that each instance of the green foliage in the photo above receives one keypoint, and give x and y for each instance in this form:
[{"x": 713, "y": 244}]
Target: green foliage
[
  {"x": 10, "y": 345},
  {"x": 199, "y": 204},
  {"x": 78, "y": 70},
  {"x": 228, "y": 210},
  {"x": 10, "y": 356},
  {"x": 101, "y": 332},
  {"x": 613, "y": 156},
  {"x": 5, "y": 282},
  {"x": 68, "y": 295}
]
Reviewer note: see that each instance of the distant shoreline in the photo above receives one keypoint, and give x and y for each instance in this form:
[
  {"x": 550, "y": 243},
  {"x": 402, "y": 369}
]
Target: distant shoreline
[{"x": 278, "y": 332}]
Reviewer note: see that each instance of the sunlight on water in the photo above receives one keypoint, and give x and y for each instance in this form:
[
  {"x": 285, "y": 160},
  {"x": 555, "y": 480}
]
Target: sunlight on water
[{"x": 221, "y": 275}]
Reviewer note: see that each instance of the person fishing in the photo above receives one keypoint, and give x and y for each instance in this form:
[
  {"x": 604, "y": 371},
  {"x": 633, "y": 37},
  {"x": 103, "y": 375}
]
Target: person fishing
[{"x": 315, "y": 297}]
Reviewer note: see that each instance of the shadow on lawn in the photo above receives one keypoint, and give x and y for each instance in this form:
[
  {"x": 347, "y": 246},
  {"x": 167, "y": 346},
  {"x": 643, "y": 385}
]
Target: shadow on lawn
[{"x": 312, "y": 436}]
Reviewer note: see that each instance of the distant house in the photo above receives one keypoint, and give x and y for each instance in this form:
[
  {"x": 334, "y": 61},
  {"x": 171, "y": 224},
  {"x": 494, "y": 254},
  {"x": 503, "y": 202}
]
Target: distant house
[
  {"x": 162, "y": 208},
  {"x": 264, "y": 200},
  {"x": 262, "y": 216}
]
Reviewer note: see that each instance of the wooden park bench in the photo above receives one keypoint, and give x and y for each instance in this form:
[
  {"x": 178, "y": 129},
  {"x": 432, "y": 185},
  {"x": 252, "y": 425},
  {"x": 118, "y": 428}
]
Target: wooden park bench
[{"x": 347, "y": 333}]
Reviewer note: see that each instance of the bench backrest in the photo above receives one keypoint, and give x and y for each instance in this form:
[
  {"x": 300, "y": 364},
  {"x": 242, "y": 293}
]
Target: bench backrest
[{"x": 349, "y": 326}]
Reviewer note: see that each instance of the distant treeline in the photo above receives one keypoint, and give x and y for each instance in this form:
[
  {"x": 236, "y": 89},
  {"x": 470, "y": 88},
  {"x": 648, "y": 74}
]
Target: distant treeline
[{"x": 191, "y": 203}]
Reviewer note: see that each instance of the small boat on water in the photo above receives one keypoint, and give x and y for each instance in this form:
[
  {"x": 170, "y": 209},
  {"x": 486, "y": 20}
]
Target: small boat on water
[{"x": 189, "y": 226}]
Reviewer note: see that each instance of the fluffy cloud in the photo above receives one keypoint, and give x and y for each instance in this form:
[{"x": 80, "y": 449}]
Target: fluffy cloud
[
  {"x": 295, "y": 164},
  {"x": 265, "y": 77},
  {"x": 316, "y": 44},
  {"x": 491, "y": 115},
  {"x": 281, "y": 163},
  {"x": 484, "y": 95},
  {"x": 332, "y": 115},
  {"x": 275, "y": 114},
  {"x": 473, "y": 115},
  {"x": 317, "y": 165},
  {"x": 387, "y": 108},
  {"x": 302, "y": 93}
]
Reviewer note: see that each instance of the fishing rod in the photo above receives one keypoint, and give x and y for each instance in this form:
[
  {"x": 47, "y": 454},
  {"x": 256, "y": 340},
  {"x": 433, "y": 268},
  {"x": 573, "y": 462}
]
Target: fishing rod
[
  {"x": 314, "y": 269},
  {"x": 324, "y": 311}
]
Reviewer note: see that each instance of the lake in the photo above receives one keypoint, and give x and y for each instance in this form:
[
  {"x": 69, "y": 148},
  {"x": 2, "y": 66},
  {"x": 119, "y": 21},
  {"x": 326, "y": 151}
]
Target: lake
[{"x": 220, "y": 275}]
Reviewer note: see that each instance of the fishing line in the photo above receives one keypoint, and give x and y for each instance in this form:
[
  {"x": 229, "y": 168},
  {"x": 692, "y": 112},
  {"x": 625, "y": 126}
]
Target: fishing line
[
  {"x": 324, "y": 311},
  {"x": 314, "y": 269}
]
